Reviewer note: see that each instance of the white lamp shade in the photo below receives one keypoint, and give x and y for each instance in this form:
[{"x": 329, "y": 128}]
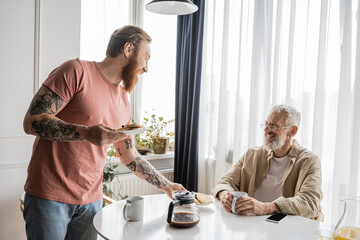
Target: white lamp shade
[{"x": 174, "y": 7}]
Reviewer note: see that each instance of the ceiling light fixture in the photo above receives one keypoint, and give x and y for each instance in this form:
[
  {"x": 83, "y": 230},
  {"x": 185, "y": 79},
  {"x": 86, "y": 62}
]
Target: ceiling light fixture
[{"x": 174, "y": 7}]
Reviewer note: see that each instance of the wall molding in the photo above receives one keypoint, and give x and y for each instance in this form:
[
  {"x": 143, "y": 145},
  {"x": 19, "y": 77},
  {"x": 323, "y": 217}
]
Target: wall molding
[
  {"x": 15, "y": 136},
  {"x": 13, "y": 165}
]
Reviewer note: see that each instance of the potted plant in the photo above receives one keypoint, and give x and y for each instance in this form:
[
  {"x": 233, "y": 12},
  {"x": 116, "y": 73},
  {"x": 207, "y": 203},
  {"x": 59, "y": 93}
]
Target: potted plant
[
  {"x": 109, "y": 174},
  {"x": 156, "y": 137}
]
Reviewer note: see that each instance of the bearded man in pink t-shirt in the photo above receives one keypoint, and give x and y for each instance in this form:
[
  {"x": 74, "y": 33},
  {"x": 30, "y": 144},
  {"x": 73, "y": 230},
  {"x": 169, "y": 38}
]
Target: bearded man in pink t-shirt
[{"x": 74, "y": 117}]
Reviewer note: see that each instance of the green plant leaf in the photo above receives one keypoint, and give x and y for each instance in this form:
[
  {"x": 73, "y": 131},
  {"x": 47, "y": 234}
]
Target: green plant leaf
[{"x": 110, "y": 153}]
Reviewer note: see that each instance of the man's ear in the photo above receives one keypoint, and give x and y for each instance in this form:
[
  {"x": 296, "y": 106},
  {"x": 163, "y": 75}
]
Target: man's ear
[
  {"x": 128, "y": 49},
  {"x": 294, "y": 131}
]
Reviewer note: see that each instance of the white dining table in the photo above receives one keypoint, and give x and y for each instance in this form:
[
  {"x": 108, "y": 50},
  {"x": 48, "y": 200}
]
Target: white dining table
[{"x": 215, "y": 223}]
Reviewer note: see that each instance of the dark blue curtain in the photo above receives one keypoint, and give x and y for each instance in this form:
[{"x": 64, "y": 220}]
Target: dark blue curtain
[{"x": 188, "y": 81}]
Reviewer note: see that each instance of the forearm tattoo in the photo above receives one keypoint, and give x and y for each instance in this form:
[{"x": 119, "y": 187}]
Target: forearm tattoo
[
  {"x": 55, "y": 130},
  {"x": 128, "y": 143},
  {"x": 118, "y": 149},
  {"x": 132, "y": 166},
  {"x": 148, "y": 171},
  {"x": 48, "y": 102}
]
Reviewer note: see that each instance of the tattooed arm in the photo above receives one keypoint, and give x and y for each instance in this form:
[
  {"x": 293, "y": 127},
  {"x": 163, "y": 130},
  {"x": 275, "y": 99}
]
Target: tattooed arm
[
  {"x": 40, "y": 120},
  {"x": 130, "y": 157}
]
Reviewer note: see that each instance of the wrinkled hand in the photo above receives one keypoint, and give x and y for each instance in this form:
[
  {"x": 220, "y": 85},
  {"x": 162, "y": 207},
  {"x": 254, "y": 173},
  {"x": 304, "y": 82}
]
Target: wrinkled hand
[
  {"x": 246, "y": 205},
  {"x": 101, "y": 135},
  {"x": 173, "y": 187},
  {"x": 226, "y": 200}
]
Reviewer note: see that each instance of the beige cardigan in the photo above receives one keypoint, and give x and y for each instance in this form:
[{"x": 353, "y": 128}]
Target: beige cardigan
[{"x": 302, "y": 179}]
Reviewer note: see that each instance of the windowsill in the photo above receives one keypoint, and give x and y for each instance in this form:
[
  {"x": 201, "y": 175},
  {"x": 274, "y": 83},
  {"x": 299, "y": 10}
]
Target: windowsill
[{"x": 159, "y": 161}]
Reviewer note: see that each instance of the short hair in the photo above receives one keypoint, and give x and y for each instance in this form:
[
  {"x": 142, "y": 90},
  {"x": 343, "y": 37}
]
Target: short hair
[
  {"x": 293, "y": 117},
  {"x": 121, "y": 36}
]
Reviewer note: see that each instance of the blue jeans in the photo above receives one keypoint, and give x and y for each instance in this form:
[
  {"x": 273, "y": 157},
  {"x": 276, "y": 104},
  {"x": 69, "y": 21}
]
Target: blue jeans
[{"x": 46, "y": 219}]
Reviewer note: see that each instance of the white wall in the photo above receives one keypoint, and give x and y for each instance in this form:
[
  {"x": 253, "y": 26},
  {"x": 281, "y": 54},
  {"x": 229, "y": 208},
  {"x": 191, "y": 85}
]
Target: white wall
[
  {"x": 59, "y": 41},
  {"x": 59, "y": 33}
]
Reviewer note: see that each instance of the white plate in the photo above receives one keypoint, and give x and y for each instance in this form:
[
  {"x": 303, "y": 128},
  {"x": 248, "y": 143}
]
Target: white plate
[
  {"x": 203, "y": 205},
  {"x": 133, "y": 131}
]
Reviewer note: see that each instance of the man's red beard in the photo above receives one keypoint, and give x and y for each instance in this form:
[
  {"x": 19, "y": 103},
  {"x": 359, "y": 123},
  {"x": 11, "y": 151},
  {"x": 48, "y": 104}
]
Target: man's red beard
[{"x": 130, "y": 75}]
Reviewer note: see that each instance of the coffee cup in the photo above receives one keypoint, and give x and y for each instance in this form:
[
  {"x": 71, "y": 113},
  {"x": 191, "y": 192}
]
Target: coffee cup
[
  {"x": 236, "y": 196},
  {"x": 134, "y": 209}
]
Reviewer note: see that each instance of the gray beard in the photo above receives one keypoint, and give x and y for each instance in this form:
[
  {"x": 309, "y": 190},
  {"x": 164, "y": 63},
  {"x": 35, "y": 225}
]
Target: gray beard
[{"x": 278, "y": 143}]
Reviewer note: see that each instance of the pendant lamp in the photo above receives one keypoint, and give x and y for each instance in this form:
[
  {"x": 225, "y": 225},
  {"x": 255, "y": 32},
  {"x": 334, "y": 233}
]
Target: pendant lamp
[{"x": 173, "y": 7}]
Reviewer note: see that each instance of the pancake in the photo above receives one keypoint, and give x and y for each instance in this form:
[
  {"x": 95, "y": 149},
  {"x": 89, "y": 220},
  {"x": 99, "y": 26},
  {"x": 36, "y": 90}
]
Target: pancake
[
  {"x": 130, "y": 127},
  {"x": 201, "y": 198}
]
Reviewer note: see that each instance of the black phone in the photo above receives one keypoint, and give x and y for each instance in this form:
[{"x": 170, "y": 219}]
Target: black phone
[{"x": 276, "y": 217}]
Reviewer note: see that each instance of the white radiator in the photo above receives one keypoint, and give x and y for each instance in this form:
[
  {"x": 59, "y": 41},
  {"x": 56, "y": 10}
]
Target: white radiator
[{"x": 129, "y": 184}]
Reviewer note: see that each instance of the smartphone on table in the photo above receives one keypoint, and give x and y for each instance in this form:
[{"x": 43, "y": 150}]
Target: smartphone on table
[{"x": 276, "y": 217}]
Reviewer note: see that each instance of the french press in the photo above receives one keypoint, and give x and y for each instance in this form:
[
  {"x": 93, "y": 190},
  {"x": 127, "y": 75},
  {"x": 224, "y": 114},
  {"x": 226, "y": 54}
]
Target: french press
[{"x": 183, "y": 212}]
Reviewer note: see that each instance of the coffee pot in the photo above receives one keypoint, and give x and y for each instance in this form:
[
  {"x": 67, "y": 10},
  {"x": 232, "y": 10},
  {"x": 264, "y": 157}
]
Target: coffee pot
[
  {"x": 348, "y": 226},
  {"x": 183, "y": 212}
]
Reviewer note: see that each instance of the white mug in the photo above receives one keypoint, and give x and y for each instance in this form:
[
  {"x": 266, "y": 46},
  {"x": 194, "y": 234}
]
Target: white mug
[
  {"x": 134, "y": 209},
  {"x": 236, "y": 196}
]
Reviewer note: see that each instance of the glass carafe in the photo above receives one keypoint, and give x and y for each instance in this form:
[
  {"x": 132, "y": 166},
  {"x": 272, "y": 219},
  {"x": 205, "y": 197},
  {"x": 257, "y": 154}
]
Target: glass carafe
[
  {"x": 348, "y": 227},
  {"x": 183, "y": 212}
]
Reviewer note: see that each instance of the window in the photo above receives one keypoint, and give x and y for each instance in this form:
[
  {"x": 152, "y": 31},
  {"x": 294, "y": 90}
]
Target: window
[
  {"x": 159, "y": 82},
  {"x": 98, "y": 20},
  {"x": 262, "y": 53}
]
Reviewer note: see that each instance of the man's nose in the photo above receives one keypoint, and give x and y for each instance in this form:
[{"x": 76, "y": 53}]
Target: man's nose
[
  {"x": 266, "y": 129},
  {"x": 145, "y": 68}
]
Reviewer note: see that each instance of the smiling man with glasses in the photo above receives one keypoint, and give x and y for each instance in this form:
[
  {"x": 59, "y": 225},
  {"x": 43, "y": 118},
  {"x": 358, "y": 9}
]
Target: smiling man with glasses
[{"x": 280, "y": 176}]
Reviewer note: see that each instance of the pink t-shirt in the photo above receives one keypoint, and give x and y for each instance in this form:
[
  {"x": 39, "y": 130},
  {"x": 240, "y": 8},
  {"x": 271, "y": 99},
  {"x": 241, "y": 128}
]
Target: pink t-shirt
[{"x": 71, "y": 172}]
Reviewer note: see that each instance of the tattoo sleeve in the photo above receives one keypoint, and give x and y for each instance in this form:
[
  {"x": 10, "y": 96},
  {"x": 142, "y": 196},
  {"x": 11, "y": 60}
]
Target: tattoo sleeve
[
  {"x": 48, "y": 102},
  {"x": 148, "y": 171},
  {"x": 55, "y": 130}
]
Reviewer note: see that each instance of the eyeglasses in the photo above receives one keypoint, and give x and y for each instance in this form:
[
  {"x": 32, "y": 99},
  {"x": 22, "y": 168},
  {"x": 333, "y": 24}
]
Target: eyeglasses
[{"x": 272, "y": 127}]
